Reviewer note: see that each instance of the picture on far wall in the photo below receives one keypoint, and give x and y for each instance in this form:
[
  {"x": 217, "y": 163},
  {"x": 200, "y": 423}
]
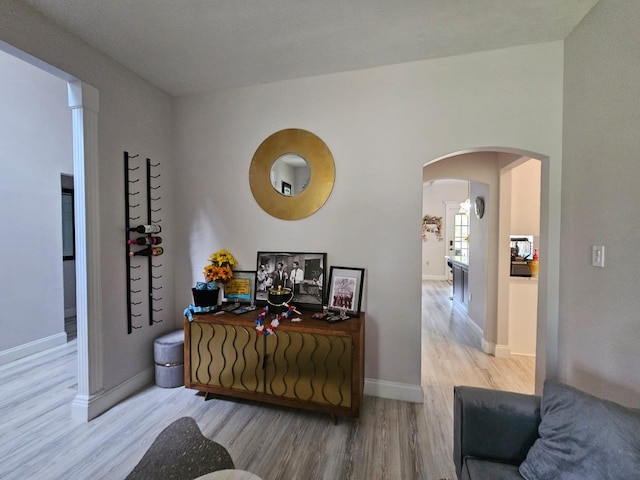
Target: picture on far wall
[
  {"x": 301, "y": 272},
  {"x": 286, "y": 188},
  {"x": 345, "y": 290}
]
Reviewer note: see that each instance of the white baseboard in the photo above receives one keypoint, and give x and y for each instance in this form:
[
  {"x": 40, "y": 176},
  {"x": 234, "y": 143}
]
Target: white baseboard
[
  {"x": 519, "y": 354},
  {"x": 87, "y": 408},
  {"x": 69, "y": 312},
  {"x": 488, "y": 347},
  {"x": 434, "y": 277},
  {"x": 394, "y": 391},
  {"x": 15, "y": 353},
  {"x": 502, "y": 351},
  {"x": 498, "y": 351}
]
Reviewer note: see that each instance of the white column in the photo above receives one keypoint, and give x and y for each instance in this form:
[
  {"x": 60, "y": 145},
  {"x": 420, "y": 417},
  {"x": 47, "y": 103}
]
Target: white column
[{"x": 84, "y": 102}]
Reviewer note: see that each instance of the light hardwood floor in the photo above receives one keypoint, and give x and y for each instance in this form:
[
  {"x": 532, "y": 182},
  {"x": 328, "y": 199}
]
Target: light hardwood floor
[{"x": 391, "y": 440}]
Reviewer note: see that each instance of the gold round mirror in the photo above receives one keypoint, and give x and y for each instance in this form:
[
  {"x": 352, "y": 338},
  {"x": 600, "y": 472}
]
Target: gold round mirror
[{"x": 269, "y": 190}]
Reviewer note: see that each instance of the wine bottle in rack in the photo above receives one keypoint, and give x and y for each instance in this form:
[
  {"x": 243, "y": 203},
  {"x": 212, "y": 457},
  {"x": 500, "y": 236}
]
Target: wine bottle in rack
[
  {"x": 148, "y": 252},
  {"x": 146, "y": 229},
  {"x": 145, "y": 241}
]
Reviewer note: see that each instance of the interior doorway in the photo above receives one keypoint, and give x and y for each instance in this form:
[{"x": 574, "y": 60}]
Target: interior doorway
[
  {"x": 483, "y": 167},
  {"x": 68, "y": 257},
  {"x": 83, "y": 104},
  {"x": 454, "y": 243},
  {"x": 37, "y": 131}
]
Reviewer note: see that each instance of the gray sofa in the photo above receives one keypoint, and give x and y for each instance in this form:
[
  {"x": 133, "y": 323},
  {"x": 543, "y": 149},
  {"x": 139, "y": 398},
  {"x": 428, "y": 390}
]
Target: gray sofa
[{"x": 565, "y": 434}]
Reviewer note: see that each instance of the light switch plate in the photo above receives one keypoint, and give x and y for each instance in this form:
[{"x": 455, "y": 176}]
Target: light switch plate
[{"x": 597, "y": 256}]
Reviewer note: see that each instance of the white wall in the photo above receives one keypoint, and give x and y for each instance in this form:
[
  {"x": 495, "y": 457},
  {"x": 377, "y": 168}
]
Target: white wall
[
  {"x": 482, "y": 284},
  {"x": 523, "y": 310},
  {"x": 525, "y": 198},
  {"x": 600, "y": 330},
  {"x": 35, "y": 134},
  {"x": 134, "y": 116},
  {"x": 382, "y": 125},
  {"x": 524, "y": 183}
]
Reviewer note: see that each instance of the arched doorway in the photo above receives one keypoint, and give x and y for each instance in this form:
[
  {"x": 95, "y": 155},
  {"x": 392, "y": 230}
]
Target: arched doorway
[{"x": 487, "y": 166}]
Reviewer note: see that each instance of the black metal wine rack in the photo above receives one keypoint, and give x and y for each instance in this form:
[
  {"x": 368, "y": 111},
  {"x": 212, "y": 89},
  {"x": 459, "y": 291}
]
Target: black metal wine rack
[{"x": 134, "y": 205}]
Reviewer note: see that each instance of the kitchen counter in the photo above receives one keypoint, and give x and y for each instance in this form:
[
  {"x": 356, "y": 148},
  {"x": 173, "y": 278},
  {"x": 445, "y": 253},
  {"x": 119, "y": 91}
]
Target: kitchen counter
[
  {"x": 460, "y": 267},
  {"x": 462, "y": 261}
]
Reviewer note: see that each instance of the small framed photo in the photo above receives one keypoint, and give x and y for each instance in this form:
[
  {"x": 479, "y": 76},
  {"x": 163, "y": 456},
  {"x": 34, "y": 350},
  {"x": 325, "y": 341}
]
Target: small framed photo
[
  {"x": 302, "y": 272},
  {"x": 241, "y": 288},
  {"x": 345, "y": 290},
  {"x": 286, "y": 189}
]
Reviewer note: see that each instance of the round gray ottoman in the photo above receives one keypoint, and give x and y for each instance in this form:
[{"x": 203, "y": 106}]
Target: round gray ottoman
[{"x": 168, "y": 354}]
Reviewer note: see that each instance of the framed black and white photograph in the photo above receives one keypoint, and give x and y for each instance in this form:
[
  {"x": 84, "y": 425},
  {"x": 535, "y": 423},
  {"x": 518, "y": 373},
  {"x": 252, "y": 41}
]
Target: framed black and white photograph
[
  {"x": 286, "y": 188},
  {"x": 345, "y": 290},
  {"x": 241, "y": 288},
  {"x": 301, "y": 272}
]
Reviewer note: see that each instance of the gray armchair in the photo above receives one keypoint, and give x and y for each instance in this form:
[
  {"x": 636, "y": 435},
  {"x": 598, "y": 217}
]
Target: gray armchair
[{"x": 492, "y": 432}]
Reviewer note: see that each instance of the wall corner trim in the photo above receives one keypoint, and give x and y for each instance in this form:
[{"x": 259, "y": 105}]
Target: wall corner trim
[
  {"x": 502, "y": 351},
  {"x": 393, "y": 390},
  {"x": 83, "y": 95},
  {"x": 88, "y": 407}
]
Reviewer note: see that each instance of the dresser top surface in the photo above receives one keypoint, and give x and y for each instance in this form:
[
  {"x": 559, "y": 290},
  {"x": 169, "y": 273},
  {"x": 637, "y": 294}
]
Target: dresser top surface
[{"x": 352, "y": 324}]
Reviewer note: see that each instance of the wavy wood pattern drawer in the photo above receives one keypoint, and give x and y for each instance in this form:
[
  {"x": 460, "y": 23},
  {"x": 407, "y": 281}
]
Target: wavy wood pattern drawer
[{"x": 312, "y": 364}]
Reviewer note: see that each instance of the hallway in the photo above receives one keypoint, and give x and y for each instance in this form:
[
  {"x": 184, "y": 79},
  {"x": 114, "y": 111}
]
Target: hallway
[{"x": 451, "y": 353}]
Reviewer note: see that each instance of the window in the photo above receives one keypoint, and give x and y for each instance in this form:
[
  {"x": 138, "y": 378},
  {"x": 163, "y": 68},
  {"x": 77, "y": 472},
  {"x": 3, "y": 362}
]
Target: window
[
  {"x": 68, "y": 233},
  {"x": 461, "y": 235}
]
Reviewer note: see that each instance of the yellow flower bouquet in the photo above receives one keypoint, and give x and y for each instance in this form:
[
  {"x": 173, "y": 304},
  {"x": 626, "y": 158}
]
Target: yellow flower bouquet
[{"x": 219, "y": 267}]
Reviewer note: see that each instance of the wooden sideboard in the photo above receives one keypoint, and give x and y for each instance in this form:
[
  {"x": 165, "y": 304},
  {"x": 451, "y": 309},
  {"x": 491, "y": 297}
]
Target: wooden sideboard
[{"x": 312, "y": 364}]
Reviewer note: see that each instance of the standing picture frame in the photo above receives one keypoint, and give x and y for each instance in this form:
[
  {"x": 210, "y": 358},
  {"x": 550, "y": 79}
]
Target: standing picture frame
[
  {"x": 241, "y": 288},
  {"x": 286, "y": 189},
  {"x": 345, "y": 290},
  {"x": 302, "y": 272}
]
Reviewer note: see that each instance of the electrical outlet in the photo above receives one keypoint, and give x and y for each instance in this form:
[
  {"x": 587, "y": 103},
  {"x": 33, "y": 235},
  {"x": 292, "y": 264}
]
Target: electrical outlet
[{"x": 597, "y": 256}]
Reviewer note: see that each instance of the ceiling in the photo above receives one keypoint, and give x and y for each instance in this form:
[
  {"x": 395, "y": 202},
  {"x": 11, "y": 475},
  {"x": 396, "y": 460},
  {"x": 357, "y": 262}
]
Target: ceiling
[{"x": 194, "y": 46}]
